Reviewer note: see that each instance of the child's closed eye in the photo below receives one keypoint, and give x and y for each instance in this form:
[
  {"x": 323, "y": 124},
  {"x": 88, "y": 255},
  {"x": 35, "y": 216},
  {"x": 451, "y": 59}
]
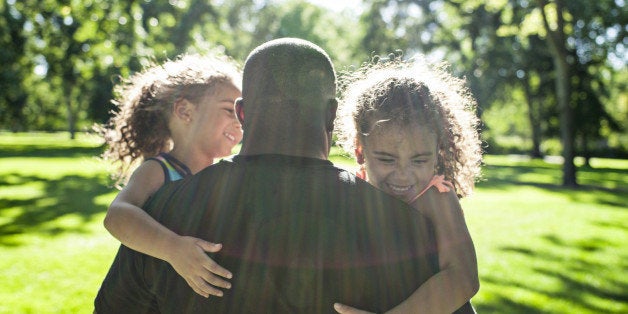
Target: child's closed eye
[
  {"x": 419, "y": 161},
  {"x": 386, "y": 160},
  {"x": 230, "y": 111}
]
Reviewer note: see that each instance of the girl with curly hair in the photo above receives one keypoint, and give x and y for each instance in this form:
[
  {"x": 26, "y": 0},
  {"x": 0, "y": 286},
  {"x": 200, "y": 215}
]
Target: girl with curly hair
[
  {"x": 412, "y": 127},
  {"x": 172, "y": 120}
]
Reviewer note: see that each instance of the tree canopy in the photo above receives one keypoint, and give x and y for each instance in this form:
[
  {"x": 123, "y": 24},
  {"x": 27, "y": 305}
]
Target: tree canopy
[{"x": 558, "y": 68}]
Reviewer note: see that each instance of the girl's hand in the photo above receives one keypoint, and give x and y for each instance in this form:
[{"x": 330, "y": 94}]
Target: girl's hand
[
  {"x": 188, "y": 258},
  {"x": 345, "y": 309}
]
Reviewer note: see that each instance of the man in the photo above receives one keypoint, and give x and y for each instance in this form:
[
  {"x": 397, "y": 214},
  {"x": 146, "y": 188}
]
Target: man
[{"x": 298, "y": 233}]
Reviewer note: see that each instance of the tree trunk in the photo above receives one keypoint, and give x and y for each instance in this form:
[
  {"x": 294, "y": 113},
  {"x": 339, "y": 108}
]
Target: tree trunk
[
  {"x": 566, "y": 120},
  {"x": 71, "y": 113},
  {"x": 586, "y": 153},
  {"x": 534, "y": 118},
  {"x": 556, "y": 42}
]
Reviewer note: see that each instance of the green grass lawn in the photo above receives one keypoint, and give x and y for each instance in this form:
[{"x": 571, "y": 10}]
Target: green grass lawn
[{"x": 541, "y": 248}]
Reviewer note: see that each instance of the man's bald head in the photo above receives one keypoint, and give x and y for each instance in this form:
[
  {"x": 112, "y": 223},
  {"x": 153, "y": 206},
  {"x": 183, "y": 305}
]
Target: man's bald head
[
  {"x": 288, "y": 90},
  {"x": 288, "y": 69}
]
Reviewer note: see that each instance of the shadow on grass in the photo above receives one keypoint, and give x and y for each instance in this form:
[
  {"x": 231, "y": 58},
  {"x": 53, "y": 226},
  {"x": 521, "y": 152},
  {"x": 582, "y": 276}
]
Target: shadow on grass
[
  {"x": 45, "y": 151},
  {"x": 72, "y": 197},
  {"x": 581, "y": 270},
  {"x": 621, "y": 225},
  {"x": 605, "y": 185},
  {"x": 581, "y": 281},
  {"x": 499, "y": 304},
  {"x": 551, "y": 176}
]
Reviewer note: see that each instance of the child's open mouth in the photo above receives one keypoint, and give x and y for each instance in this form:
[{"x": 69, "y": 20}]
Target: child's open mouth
[
  {"x": 400, "y": 189},
  {"x": 229, "y": 136}
]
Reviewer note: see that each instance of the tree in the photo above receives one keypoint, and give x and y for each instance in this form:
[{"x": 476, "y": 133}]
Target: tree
[
  {"x": 580, "y": 37},
  {"x": 590, "y": 111},
  {"x": 61, "y": 57},
  {"x": 496, "y": 46},
  {"x": 250, "y": 23},
  {"x": 529, "y": 67},
  {"x": 556, "y": 39},
  {"x": 82, "y": 48},
  {"x": 12, "y": 56}
]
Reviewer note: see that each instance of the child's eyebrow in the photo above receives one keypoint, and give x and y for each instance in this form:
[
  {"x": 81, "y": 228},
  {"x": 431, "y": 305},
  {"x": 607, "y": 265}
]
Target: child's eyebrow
[
  {"x": 384, "y": 153},
  {"x": 425, "y": 154},
  {"x": 419, "y": 155}
]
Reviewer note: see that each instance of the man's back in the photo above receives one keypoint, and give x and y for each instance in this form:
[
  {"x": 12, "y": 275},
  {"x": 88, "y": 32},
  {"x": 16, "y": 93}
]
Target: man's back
[{"x": 298, "y": 234}]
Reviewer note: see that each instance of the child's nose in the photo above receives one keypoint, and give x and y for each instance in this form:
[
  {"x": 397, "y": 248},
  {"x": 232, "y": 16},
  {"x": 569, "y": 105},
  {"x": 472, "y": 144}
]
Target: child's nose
[{"x": 402, "y": 172}]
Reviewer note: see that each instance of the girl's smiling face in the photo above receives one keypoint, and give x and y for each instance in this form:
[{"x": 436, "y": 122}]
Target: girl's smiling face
[
  {"x": 217, "y": 129},
  {"x": 399, "y": 159}
]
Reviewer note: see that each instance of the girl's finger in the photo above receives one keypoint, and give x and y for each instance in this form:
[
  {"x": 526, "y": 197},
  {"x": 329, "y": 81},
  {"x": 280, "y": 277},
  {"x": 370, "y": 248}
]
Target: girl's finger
[{"x": 208, "y": 246}]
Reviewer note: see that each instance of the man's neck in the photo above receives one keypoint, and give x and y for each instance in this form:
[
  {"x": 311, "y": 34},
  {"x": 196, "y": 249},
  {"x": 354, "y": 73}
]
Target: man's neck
[
  {"x": 311, "y": 149},
  {"x": 256, "y": 150}
]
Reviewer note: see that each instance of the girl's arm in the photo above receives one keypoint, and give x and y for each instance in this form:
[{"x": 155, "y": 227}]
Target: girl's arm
[
  {"x": 136, "y": 229},
  {"x": 457, "y": 280}
]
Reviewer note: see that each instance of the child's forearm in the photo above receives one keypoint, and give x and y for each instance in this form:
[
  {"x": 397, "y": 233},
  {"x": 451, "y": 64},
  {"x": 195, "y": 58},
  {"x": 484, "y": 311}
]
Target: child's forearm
[
  {"x": 458, "y": 279},
  {"x": 444, "y": 292},
  {"x": 137, "y": 230}
]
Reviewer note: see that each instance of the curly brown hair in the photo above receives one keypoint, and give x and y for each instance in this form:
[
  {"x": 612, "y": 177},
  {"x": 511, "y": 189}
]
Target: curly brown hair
[
  {"x": 144, "y": 102},
  {"x": 413, "y": 91}
]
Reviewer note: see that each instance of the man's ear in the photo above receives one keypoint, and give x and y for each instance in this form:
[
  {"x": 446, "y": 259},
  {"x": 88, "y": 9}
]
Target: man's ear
[
  {"x": 239, "y": 108},
  {"x": 359, "y": 155},
  {"x": 183, "y": 109},
  {"x": 332, "y": 107}
]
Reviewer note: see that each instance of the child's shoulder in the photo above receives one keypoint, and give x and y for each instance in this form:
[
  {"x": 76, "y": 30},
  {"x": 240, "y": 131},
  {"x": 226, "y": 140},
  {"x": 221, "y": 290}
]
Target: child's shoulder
[{"x": 149, "y": 169}]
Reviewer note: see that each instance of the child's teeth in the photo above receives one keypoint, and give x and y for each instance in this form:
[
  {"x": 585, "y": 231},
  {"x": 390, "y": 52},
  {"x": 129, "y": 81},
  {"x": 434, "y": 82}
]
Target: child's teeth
[{"x": 399, "y": 188}]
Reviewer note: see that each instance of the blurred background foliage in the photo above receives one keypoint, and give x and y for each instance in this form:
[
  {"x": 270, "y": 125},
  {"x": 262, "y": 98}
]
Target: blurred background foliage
[{"x": 550, "y": 76}]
